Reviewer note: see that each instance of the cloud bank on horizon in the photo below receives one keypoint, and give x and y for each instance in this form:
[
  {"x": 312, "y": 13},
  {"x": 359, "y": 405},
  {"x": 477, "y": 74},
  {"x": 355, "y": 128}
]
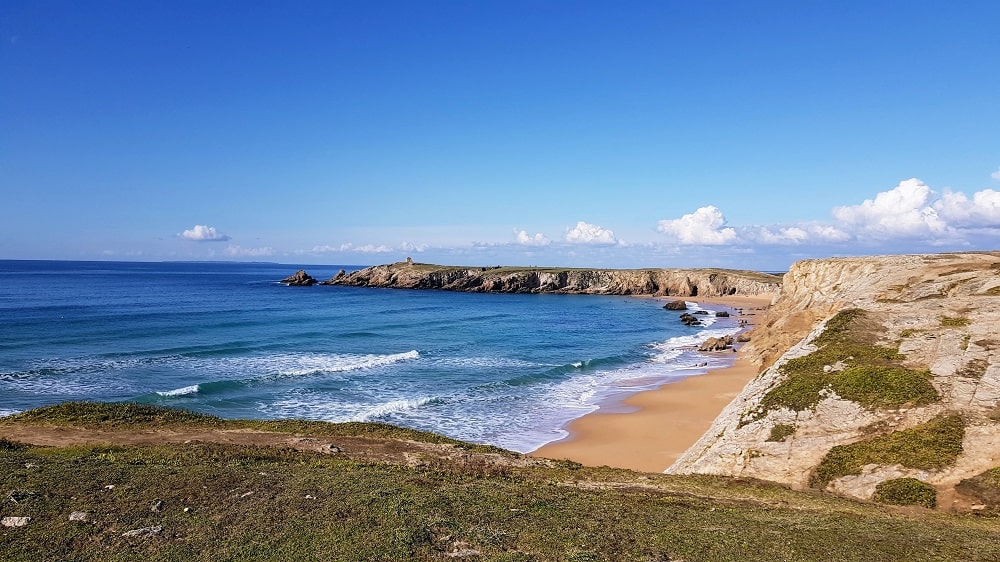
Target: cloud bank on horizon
[{"x": 909, "y": 217}]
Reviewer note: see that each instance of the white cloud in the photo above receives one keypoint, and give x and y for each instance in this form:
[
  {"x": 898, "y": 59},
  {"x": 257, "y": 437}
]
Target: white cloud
[
  {"x": 903, "y": 211},
  {"x": 983, "y": 210},
  {"x": 702, "y": 227},
  {"x": 366, "y": 248},
  {"x": 202, "y": 233},
  {"x": 828, "y": 233},
  {"x": 240, "y": 252},
  {"x": 585, "y": 233},
  {"x": 996, "y": 175},
  {"x": 539, "y": 239},
  {"x": 408, "y": 247},
  {"x": 785, "y": 235}
]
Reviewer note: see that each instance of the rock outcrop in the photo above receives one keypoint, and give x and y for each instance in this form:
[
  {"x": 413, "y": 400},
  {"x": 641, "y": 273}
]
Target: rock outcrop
[
  {"x": 716, "y": 344},
  {"x": 299, "y": 279},
  {"x": 676, "y": 305},
  {"x": 658, "y": 282},
  {"x": 933, "y": 318}
]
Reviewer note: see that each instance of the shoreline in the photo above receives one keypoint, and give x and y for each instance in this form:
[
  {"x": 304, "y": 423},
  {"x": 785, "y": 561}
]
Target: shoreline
[{"x": 664, "y": 422}]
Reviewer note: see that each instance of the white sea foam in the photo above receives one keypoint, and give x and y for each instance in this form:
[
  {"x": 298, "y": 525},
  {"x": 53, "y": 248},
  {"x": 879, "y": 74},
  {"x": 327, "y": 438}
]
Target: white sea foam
[
  {"x": 394, "y": 407},
  {"x": 185, "y": 391},
  {"x": 317, "y": 405},
  {"x": 298, "y": 365},
  {"x": 6, "y": 412}
]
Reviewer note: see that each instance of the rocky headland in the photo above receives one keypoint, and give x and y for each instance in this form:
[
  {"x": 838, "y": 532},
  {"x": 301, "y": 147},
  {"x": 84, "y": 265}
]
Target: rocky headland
[
  {"x": 655, "y": 282},
  {"x": 879, "y": 379}
]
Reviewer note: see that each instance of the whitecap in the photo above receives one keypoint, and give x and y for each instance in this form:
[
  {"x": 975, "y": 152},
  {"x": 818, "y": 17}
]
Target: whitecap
[
  {"x": 185, "y": 391},
  {"x": 394, "y": 407},
  {"x": 6, "y": 412}
]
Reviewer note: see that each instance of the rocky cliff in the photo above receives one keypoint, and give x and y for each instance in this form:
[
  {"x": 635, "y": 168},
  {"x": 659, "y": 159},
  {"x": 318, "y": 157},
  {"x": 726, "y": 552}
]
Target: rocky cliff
[
  {"x": 679, "y": 282},
  {"x": 878, "y": 374}
]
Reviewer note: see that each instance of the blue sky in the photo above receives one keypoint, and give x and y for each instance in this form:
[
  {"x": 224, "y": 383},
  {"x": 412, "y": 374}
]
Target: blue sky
[{"x": 611, "y": 134}]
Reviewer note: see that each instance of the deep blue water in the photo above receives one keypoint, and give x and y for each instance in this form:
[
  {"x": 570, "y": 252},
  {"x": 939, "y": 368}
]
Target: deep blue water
[{"x": 227, "y": 339}]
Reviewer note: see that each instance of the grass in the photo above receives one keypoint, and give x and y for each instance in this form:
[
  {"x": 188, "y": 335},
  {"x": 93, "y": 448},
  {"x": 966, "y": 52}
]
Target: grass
[
  {"x": 954, "y": 321},
  {"x": 933, "y": 445},
  {"x": 129, "y": 415},
  {"x": 866, "y": 373},
  {"x": 226, "y": 502},
  {"x": 906, "y": 491}
]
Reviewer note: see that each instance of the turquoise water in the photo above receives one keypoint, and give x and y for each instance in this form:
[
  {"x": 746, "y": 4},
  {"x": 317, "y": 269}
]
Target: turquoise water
[{"x": 229, "y": 340}]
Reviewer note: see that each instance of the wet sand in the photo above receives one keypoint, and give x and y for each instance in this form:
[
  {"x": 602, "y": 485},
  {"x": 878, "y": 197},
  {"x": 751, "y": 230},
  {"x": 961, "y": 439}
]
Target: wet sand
[{"x": 667, "y": 420}]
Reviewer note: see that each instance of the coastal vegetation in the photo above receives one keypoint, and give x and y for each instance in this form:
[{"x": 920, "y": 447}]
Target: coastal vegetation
[
  {"x": 906, "y": 491},
  {"x": 136, "y": 497},
  {"x": 930, "y": 446},
  {"x": 848, "y": 363}
]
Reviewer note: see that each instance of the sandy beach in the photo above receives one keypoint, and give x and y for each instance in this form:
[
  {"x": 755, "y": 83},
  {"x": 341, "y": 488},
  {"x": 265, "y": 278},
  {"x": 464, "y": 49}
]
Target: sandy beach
[{"x": 667, "y": 420}]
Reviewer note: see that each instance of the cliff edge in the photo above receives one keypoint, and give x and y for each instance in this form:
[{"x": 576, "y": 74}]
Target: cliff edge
[
  {"x": 880, "y": 380},
  {"x": 660, "y": 282}
]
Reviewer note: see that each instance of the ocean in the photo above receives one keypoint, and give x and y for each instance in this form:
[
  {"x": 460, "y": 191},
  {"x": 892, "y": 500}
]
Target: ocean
[{"x": 227, "y": 339}]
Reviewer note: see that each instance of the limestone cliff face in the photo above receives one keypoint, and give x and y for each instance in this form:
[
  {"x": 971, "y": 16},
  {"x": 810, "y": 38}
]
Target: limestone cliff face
[
  {"x": 678, "y": 282},
  {"x": 943, "y": 312}
]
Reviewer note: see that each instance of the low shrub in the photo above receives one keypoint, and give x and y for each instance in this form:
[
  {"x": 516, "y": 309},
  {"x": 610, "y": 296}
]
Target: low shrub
[
  {"x": 933, "y": 445},
  {"x": 906, "y": 491},
  {"x": 875, "y": 386},
  {"x": 781, "y": 432}
]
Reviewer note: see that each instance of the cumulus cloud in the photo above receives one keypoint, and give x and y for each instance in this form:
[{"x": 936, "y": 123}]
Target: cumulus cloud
[
  {"x": 366, "y": 248},
  {"x": 202, "y": 233},
  {"x": 702, "y": 227},
  {"x": 983, "y": 210},
  {"x": 586, "y": 233},
  {"x": 240, "y": 252},
  {"x": 903, "y": 211},
  {"x": 539, "y": 239},
  {"x": 795, "y": 235},
  {"x": 996, "y": 175}
]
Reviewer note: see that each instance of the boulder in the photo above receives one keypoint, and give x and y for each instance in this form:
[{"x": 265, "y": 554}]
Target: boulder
[
  {"x": 300, "y": 279},
  {"x": 78, "y": 516},
  {"x": 15, "y": 521},
  {"x": 722, "y": 314},
  {"x": 689, "y": 320},
  {"x": 716, "y": 344},
  {"x": 676, "y": 305},
  {"x": 743, "y": 337},
  {"x": 701, "y": 312}
]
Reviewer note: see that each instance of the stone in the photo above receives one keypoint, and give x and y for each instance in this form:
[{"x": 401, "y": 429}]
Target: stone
[
  {"x": 676, "y": 305},
  {"x": 701, "y": 312},
  {"x": 78, "y": 516},
  {"x": 329, "y": 449},
  {"x": 722, "y": 314},
  {"x": 300, "y": 279},
  {"x": 157, "y": 506},
  {"x": 689, "y": 320},
  {"x": 15, "y": 521},
  {"x": 743, "y": 337},
  {"x": 144, "y": 532},
  {"x": 716, "y": 344}
]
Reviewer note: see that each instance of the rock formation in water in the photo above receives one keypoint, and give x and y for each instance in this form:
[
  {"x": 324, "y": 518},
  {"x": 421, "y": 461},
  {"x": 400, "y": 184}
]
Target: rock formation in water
[
  {"x": 299, "y": 279},
  {"x": 877, "y": 373},
  {"x": 659, "y": 282}
]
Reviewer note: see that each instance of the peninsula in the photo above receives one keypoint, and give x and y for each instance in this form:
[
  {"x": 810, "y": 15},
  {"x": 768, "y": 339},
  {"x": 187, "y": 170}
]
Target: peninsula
[{"x": 706, "y": 282}]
